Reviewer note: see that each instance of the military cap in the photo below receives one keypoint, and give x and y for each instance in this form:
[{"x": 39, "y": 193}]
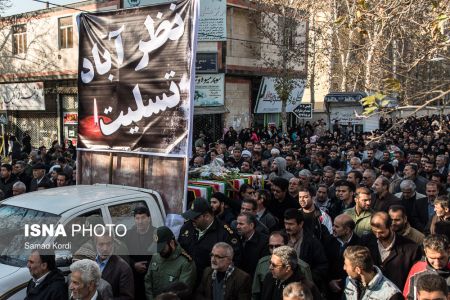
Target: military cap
[
  {"x": 162, "y": 236},
  {"x": 199, "y": 207}
]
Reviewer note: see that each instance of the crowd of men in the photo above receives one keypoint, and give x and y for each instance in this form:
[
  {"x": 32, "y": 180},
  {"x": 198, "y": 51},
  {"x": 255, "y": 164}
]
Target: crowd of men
[
  {"x": 31, "y": 170},
  {"x": 340, "y": 215}
]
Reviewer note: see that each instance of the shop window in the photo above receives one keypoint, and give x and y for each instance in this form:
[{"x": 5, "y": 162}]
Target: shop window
[
  {"x": 65, "y": 32},
  {"x": 19, "y": 39},
  {"x": 211, "y": 125},
  {"x": 41, "y": 126}
]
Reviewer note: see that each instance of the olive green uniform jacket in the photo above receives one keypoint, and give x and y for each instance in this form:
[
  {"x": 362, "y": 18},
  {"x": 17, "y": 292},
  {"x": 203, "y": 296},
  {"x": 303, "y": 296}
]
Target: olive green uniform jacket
[
  {"x": 362, "y": 221},
  {"x": 178, "y": 267}
]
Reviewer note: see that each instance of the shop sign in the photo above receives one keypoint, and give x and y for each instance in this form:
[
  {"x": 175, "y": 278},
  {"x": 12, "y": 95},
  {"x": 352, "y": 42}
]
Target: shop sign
[
  {"x": 344, "y": 97},
  {"x": 70, "y": 118},
  {"x": 206, "y": 63},
  {"x": 303, "y": 111},
  {"x": 212, "y": 22},
  {"x": 345, "y": 114},
  {"x": 268, "y": 101},
  {"x": 22, "y": 96},
  {"x": 209, "y": 90}
]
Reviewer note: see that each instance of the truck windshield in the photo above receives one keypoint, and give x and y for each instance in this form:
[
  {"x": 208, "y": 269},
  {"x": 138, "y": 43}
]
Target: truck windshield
[{"x": 17, "y": 237}]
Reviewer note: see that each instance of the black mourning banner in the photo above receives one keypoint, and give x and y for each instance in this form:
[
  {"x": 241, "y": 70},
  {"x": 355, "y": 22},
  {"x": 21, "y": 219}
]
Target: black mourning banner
[{"x": 135, "y": 78}]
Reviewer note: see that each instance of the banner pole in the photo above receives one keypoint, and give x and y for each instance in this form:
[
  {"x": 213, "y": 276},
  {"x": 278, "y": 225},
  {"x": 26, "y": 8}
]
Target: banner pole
[
  {"x": 3, "y": 141},
  {"x": 111, "y": 162}
]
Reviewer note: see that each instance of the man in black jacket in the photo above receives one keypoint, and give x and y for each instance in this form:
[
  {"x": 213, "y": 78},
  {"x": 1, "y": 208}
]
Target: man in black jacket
[
  {"x": 141, "y": 247},
  {"x": 409, "y": 198},
  {"x": 308, "y": 248},
  {"x": 220, "y": 207},
  {"x": 21, "y": 174},
  {"x": 424, "y": 207},
  {"x": 47, "y": 281},
  {"x": 202, "y": 231},
  {"x": 7, "y": 180},
  {"x": 345, "y": 191},
  {"x": 281, "y": 200},
  {"x": 283, "y": 270},
  {"x": 315, "y": 220},
  {"x": 343, "y": 236},
  {"x": 254, "y": 244},
  {"x": 263, "y": 215},
  {"x": 383, "y": 198},
  {"x": 39, "y": 177}
]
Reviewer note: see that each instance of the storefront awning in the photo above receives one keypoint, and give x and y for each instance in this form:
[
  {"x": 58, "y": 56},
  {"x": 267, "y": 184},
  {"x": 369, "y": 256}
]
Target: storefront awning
[
  {"x": 339, "y": 97},
  {"x": 210, "y": 110}
]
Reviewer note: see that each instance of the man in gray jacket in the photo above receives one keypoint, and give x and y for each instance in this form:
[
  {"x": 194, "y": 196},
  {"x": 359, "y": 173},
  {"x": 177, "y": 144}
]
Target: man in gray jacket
[{"x": 365, "y": 281}]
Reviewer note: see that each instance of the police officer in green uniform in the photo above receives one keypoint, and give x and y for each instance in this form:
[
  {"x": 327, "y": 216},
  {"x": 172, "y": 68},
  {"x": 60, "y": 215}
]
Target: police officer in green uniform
[
  {"x": 171, "y": 264},
  {"x": 202, "y": 231}
]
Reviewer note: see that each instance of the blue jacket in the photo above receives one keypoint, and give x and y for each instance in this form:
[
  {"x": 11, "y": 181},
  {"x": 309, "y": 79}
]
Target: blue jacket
[{"x": 379, "y": 288}]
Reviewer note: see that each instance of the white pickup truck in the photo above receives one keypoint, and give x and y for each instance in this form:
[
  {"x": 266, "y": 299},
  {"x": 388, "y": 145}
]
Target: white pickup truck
[{"x": 113, "y": 203}]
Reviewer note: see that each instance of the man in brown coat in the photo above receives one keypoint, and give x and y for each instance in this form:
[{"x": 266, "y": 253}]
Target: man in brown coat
[
  {"x": 114, "y": 269},
  {"x": 400, "y": 224},
  {"x": 223, "y": 280},
  {"x": 391, "y": 252}
]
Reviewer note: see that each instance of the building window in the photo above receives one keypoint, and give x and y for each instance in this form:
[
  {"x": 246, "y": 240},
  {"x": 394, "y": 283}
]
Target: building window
[
  {"x": 65, "y": 32},
  {"x": 287, "y": 30},
  {"x": 19, "y": 38}
]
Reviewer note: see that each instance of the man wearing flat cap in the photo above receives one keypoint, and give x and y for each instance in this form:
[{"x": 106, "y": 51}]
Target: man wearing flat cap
[
  {"x": 169, "y": 265},
  {"x": 39, "y": 177},
  {"x": 202, "y": 231}
]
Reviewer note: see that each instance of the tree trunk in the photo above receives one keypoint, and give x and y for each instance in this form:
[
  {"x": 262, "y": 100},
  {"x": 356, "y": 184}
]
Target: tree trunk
[
  {"x": 283, "y": 115},
  {"x": 312, "y": 71}
]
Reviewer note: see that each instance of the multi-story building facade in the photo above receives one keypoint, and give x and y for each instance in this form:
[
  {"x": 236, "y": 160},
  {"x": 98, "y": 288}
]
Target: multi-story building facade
[
  {"x": 39, "y": 65},
  {"x": 38, "y": 71}
]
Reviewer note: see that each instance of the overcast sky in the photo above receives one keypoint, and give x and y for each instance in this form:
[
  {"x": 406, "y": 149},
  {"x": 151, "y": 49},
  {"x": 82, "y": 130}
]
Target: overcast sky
[{"x": 21, "y": 6}]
